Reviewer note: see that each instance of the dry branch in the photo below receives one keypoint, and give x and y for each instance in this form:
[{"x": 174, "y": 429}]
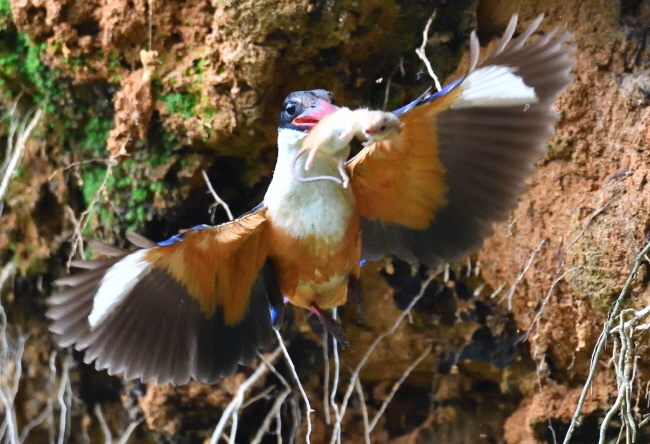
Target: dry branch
[
  {"x": 602, "y": 339},
  {"x": 20, "y": 129}
]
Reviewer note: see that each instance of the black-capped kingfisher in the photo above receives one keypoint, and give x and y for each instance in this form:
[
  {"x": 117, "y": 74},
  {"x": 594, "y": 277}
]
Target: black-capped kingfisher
[{"x": 430, "y": 182}]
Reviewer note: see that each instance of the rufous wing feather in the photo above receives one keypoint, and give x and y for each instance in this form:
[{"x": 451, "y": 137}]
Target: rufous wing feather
[
  {"x": 481, "y": 136},
  {"x": 401, "y": 180},
  {"x": 189, "y": 309}
]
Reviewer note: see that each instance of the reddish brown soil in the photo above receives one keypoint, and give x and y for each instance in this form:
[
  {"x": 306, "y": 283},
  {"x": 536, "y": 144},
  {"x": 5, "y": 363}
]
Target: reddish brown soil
[{"x": 585, "y": 217}]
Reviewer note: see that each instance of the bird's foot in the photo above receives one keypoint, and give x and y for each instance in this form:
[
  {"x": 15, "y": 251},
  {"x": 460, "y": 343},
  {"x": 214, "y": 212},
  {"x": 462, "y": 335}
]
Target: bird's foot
[
  {"x": 355, "y": 294},
  {"x": 333, "y": 326}
]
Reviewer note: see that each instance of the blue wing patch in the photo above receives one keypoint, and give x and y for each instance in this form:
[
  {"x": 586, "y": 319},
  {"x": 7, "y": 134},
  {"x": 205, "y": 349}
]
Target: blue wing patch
[
  {"x": 180, "y": 236},
  {"x": 427, "y": 97}
]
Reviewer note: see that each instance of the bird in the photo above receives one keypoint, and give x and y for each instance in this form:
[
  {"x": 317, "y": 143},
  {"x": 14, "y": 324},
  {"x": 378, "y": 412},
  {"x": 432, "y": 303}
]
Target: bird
[{"x": 427, "y": 189}]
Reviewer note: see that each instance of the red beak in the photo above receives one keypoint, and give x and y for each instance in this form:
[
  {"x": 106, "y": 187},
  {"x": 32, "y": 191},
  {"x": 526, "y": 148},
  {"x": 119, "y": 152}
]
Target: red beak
[{"x": 312, "y": 115}]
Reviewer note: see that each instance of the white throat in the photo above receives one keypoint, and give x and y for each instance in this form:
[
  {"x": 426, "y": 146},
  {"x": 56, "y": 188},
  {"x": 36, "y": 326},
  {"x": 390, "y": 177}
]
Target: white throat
[{"x": 322, "y": 208}]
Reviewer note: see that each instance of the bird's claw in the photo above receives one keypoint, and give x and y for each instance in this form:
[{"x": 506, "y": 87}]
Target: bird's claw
[{"x": 332, "y": 326}]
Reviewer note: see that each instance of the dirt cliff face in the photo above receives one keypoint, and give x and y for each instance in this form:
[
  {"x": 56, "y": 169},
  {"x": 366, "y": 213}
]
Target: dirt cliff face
[{"x": 140, "y": 96}]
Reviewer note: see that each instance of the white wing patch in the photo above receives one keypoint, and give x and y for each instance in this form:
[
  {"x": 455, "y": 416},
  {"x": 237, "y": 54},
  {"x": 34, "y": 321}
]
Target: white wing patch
[
  {"x": 495, "y": 86},
  {"x": 118, "y": 281}
]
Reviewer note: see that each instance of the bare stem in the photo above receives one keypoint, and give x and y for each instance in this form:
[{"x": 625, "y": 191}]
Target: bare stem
[
  {"x": 20, "y": 130},
  {"x": 219, "y": 201},
  {"x": 292, "y": 367},
  {"x": 237, "y": 401},
  {"x": 355, "y": 374},
  {"x": 602, "y": 339},
  {"x": 422, "y": 54}
]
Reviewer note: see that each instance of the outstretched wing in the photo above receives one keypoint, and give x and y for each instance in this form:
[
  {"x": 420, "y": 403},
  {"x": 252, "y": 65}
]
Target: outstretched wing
[
  {"x": 433, "y": 192},
  {"x": 193, "y": 307}
]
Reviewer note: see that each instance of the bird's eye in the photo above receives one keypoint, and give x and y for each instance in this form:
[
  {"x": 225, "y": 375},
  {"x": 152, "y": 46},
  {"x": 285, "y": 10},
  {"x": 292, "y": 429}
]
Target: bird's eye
[{"x": 290, "y": 109}]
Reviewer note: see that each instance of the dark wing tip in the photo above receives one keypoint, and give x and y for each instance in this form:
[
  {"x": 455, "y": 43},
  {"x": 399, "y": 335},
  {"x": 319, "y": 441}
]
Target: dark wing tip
[
  {"x": 487, "y": 153},
  {"x": 159, "y": 333}
]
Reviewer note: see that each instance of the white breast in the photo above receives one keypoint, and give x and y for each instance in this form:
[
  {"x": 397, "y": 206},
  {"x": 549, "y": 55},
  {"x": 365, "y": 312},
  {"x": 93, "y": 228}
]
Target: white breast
[{"x": 321, "y": 208}]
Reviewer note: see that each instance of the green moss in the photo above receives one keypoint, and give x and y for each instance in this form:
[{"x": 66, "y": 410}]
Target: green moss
[
  {"x": 92, "y": 180},
  {"x": 76, "y": 118},
  {"x": 96, "y": 133},
  {"x": 113, "y": 61},
  {"x": 131, "y": 194},
  {"x": 82, "y": 122},
  {"x": 592, "y": 279},
  {"x": 5, "y": 8},
  {"x": 185, "y": 97},
  {"x": 180, "y": 103},
  {"x": 74, "y": 61},
  {"x": 6, "y": 16},
  {"x": 23, "y": 73}
]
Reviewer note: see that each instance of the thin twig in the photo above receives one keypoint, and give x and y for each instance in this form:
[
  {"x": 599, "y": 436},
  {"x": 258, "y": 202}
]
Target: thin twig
[
  {"x": 273, "y": 370},
  {"x": 275, "y": 409},
  {"x": 422, "y": 54},
  {"x": 52, "y": 400},
  {"x": 72, "y": 165},
  {"x": 495, "y": 293},
  {"x": 234, "y": 423},
  {"x": 263, "y": 395},
  {"x": 278, "y": 426},
  {"x": 129, "y": 431},
  {"x": 335, "y": 383},
  {"x": 216, "y": 197},
  {"x": 10, "y": 422},
  {"x": 49, "y": 407},
  {"x": 389, "y": 81},
  {"x": 326, "y": 377},
  {"x": 273, "y": 413},
  {"x": 547, "y": 299},
  {"x": 521, "y": 275},
  {"x": 12, "y": 376},
  {"x": 366, "y": 356},
  {"x": 619, "y": 398},
  {"x": 546, "y": 412},
  {"x": 238, "y": 400},
  {"x": 19, "y": 133},
  {"x": 7, "y": 272},
  {"x": 398, "y": 384},
  {"x": 625, "y": 365},
  {"x": 18, "y": 364},
  {"x": 590, "y": 220},
  {"x": 63, "y": 406},
  {"x": 292, "y": 367},
  {"x": 364, "y": 410},
  {"x": 106, "y": 431},
  {"x": 297, "y": 420},
  {"x": 602, "y": 339},
  {"x": 150, "y": 2},
  {"x": 84, "y": 218}
]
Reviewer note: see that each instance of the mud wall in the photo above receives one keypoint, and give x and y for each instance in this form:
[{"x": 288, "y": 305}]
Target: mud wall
[{"x": 139, "y": 97}]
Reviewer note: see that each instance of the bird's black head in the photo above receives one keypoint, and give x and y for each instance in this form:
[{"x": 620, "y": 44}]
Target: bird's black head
[{"x": 302, "y": 110}]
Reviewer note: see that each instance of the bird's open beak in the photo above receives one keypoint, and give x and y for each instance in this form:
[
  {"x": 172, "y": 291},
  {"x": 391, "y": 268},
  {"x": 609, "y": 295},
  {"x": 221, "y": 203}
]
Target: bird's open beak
[{"x": 314, "y": 113}]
